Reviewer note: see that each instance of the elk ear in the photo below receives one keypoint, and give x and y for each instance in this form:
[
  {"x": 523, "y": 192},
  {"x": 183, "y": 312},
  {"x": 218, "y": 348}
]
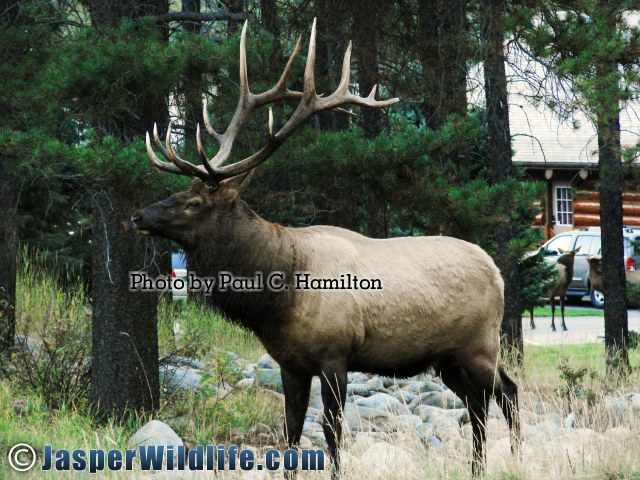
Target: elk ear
[
  {"x": 577, "y": 249},
  {"x": 239, "y": 182},
  {"x": 561, "y": 251}
]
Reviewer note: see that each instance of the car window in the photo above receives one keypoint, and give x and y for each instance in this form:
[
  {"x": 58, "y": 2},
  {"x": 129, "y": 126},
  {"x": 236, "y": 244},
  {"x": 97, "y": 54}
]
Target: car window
[
  {"x": 594, "y": 249},
  {"x": 178, "y": 260},
  {"x": 584, "y": 242},
  {"x": 561, "y": 241}
]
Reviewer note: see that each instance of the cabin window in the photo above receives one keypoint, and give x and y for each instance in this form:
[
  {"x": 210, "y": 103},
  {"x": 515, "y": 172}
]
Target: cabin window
[{"x": 564, "y": 206}]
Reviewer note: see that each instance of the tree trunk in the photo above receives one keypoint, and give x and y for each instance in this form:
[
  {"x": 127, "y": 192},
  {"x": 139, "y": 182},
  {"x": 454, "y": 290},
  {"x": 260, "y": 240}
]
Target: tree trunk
[
  {"x": 333, "y": 17},
  {"x": 191, "y": 84},
  {"x": 9, "y": 10},
  {"x": 443, "y": 56},
  {"x": 124, "y": 373},
  {"x": 8, "y": 256},
  {"x": 124, "y": 370},
  {"x": 499, "y": 149},
  {"x": 271, "y": 23},
  {"x": 616, "y": 328},
  {"x": 366, "y": 27}
]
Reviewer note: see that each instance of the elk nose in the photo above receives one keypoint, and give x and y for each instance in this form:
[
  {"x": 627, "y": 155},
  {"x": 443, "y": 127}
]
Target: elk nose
[{"x": 135, "y": 219}]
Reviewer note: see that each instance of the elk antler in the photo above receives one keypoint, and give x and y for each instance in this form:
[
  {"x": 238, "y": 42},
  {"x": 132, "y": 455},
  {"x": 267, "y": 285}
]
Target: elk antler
[{"x": 310, "y": 104}]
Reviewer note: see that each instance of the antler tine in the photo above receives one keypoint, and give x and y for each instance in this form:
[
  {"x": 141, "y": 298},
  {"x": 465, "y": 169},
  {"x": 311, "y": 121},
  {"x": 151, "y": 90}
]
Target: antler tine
[
  {"x": 207, "y": 120},
  {"x": 202, "y": 154},
  {"x": 244, "y": 81},
  {"x": 280, "y": 90},
  {"x": 156, "y": 162},
  {"x": 310, "y": 104},
  {"x": 309, "y": 91},
  {"x": 343, "y": 86},
  {"x": 187, "y": 167}
]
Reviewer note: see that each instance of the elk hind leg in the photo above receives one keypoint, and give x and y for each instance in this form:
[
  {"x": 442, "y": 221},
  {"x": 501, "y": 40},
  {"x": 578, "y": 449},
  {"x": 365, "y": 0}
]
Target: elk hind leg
[
  {"x": 334, "y": 390},
  {"x": 553, "y": 312},
  {"x": 296, "y": 393},
  {"x": 564, "y": 326},
  {"x": 507, "y": 397},
  {"x": 475, "y": 392}
]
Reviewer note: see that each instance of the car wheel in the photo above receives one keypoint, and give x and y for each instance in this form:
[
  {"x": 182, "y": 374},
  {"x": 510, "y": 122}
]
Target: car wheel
[
  {"x": 574, "y": 298},
  {"x": 597, "y": 298}
]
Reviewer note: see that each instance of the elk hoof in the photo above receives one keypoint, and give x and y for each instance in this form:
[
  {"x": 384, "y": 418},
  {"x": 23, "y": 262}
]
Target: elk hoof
[
  {"x": 565, "y": 329},
  {"x": 553, "y": 329}
]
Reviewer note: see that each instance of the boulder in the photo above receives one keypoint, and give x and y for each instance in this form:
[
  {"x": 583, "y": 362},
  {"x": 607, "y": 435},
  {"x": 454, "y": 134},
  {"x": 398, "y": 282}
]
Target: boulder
[
  {"x": 360, "y": 389},
  {"x": 357, "y": 377},
  {"x": 156, "y": 433},
  {"x": 383, "y": 401},
  {"x": 266, "y": 361},
  {"x": 245, "y": 383},
  {"x": 364, "y": 419},
  {"x": 315, "y": 397},
  {"x": 432, "y": 399},
  {"x": 269, "y": 378},
  {"x": 375, "y": 383},
  {"x": 180, "y": 378},
  {"x": 383, "y": 456}
]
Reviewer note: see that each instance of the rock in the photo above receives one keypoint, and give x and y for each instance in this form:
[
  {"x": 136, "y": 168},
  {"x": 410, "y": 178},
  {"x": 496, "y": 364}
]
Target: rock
[
  {"x": 460, "y": 415},
  {"x": 361, "y": 443},
  {"x": 266, "y": 361},
  {"x": 361, "y": 389},
  {"x": 633, "y": 401},
  {"x": 237, "y": 435},
  {"x": 155, "y": 433},
  {"x": 180, "y": 378},
  {"x": 261, "y": 428},
  {"x": 305, "y": 443},
  {"x": 434, "y": 442},
  {"x": 357, "y": 377},
  {"x": 619, "y": 434},
  {"x": 269, "y": 378},
  {"x": 185, "y": 362},
  {"x": 245, "y": 383},
  {"x": 409, "y": 421},
  {"x": 314, "y": 432},
  {"x": 388, "y": 381},
  {"x": 444, "y": 426},
  {"x": 433, "y": 399},
  {"x": 570, "y": 421},
  {"x": 315, "y": 397},
  {"x": 19, "y": 406},
  {"x": 546, "y": 430},
  {"x": 542, "y": 408},
  {"x": 403, "y": 396},
  {"x": 494, "y": 410},
  {"x": 365, "y": 419},
  {"x": 615, "y": 411},
  {"x": 383, "y": 401},
  {"x": 424, "y": 431},
  {"x": 375, "y": 383},
  {"x": 383, "y": 456}
]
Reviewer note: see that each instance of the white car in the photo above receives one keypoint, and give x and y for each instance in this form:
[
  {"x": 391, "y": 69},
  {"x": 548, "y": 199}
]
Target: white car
[{"x": 179, "y": 270}]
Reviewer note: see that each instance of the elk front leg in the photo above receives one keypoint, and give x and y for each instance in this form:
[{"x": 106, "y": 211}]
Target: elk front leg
[
  {"x": 564, "y": 326},
  {"x": 296, "y": 394},
  {"x": 553, "y": 313},
  {"x": 334, "y": 390},
  {"x": 532, "y": 324}
]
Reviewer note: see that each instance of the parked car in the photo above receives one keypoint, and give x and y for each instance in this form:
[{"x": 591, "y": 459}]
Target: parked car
[
  {"x": 589, "y": 240},
  {"x": 179, "y": 270}
]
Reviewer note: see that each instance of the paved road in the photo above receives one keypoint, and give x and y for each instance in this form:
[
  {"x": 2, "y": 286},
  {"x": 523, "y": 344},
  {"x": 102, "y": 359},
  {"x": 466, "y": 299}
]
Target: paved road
[{"x": 581, "y": 329}]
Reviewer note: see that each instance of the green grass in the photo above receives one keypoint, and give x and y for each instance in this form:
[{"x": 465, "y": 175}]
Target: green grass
[{"x": 568, "y": 312}]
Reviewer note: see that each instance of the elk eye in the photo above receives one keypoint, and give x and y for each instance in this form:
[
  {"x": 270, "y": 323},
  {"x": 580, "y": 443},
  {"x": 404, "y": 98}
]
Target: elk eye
[{"x": 193, "y": 205}]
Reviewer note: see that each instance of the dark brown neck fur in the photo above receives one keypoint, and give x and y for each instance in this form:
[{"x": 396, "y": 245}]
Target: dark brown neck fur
[{"x": 244, "y": 245}]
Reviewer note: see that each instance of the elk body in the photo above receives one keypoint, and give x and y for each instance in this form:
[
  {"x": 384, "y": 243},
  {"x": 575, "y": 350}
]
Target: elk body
[
  {"x": 596, "y": 276},
  {"x": 414, "y": 321},
  {"x": 564, "y": 277}
]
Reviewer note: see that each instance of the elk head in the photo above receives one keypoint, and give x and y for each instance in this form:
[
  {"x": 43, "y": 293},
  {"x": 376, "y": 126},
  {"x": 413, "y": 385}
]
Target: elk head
[
  {"x": 567, "y": 256},
  {"x": 213, "y": 192}
]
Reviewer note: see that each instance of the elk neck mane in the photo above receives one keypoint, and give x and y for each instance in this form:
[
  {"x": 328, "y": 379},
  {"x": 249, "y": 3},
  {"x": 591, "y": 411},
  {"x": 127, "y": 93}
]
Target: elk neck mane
[{"x": 243, "y": 245}]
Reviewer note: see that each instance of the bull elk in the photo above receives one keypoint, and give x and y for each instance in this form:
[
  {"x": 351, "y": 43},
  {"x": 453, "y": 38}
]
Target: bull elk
[{"x": 415, "y": 320}]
